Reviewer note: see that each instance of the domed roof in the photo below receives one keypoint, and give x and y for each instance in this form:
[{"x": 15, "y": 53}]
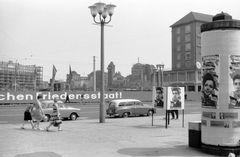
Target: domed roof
[{"x": 137, "y": 66}]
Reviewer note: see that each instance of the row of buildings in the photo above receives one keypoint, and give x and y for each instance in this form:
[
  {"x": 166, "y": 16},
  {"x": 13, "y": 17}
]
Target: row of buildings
[{"x": 185, "y": 72}]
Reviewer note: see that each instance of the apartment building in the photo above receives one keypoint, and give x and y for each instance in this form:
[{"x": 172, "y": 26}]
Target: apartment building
[
  {"x": 18, "y": 77},
  {"x": 186, "y": 52}
]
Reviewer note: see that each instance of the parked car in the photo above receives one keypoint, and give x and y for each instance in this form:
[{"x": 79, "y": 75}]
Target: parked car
[
  {"x": 65, "y": 111},
  {"x": 129, "y": 107}
]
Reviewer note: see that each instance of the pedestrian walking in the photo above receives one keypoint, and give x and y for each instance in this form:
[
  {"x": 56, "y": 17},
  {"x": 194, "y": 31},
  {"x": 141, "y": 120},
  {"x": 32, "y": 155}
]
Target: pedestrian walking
[
  {"x": 82, "y": 99},
  {"x": 37, "y": 112},
  {"x": 27, "y": 116},
  {"x": 67, "y": 99},
  {"x": 55, "y": 119}
]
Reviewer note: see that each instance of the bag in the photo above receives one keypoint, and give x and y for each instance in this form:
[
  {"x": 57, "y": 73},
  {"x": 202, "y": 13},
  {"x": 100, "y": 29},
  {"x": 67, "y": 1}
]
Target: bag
[{"x": 57, "y": 122}]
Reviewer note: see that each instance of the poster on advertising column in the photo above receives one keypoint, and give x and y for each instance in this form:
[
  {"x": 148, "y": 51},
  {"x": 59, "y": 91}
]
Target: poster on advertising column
[
  {"x": 175, "y": 98},
  {"x": 159, "y": 97},
  {"x": 234, "y": 82},
  {"x": 210, "y": 81}
]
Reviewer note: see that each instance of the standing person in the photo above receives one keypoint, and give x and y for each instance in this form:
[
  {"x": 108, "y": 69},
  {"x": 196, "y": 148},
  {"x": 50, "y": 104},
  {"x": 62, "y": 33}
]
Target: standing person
[
  {"x": 37, "y": 112},
  {"x": 82, "y": 98},
  {"x": 27, "y": 116},
  {"x": 67, "y": 99},
  {"x": 175, "y": 103},
  {"x": 56, "y": 119}
]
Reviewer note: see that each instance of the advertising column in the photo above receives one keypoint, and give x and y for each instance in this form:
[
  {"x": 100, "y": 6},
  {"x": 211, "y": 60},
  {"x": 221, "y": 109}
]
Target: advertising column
[{"x": 220, "y": 42}]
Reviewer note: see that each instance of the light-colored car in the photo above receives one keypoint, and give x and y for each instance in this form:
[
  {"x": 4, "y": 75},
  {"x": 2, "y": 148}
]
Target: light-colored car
[
  {"x": 65, "y": 111},
  {"x": 129, "y": 107}
]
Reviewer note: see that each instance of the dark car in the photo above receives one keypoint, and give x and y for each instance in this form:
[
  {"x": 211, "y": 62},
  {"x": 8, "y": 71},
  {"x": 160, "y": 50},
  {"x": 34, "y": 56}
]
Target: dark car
[{"x": 129, "y": 107}]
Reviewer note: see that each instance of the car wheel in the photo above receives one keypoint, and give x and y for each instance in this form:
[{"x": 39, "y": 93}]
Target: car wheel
[
  {"x": 125, "y": 115},
  {"x": 48, "y": 117},
  {"x": 73, "y": 116},
  {"x": 150, "y": 112}
]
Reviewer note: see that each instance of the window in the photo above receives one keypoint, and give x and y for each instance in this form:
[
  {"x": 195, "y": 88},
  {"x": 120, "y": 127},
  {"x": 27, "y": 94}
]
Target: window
[
  {"x": 188, "y": 56},
  {"x": 187, "y": 28},
  {"x": 121, "y": 104},
  {"x": 181, "y": 76},
  {"x": 178, "y": 39},
  {"x": 50, "y": 105},
  {"x": 61, "y": 105},
  {"x": 178, "y": 30},
  {"x": 138, "y": 103},
  {"x": 188, "y": 47},
  {"x": 198, "y": 50},
  {"x": 198, "y": 41},
  {"x": 129, "y": 103},
  {"x": 178, "y": 56},
  {"x": 191, "y": 88},
  {"x": 187, "y": 37},
  {"x": 199, "y": 76},
  {"x": 188, "y": 64},
  {"x": 190, "y": 76},
  {"x": 178, "y": 48},
  {"x": 165, "y": 77},
  {"x": 173, "y": 76},
  {"x": 178, "y": 65}
]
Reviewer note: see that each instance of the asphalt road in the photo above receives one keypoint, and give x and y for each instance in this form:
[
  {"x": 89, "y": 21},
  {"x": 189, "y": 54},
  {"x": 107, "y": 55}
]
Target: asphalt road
[{"x": 13, "y": 114}]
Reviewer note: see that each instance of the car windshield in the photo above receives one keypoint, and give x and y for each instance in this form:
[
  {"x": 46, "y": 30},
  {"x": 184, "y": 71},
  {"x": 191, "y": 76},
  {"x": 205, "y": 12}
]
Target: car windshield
[
  {"x": 129, "y": 103},
  {"x": 61, "y": 105},
  {"x": 138, "y": 104},
  {"x": 112, "y": 104}
]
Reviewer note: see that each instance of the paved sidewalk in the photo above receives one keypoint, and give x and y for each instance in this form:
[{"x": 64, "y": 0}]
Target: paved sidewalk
[{"x": 117, "y": 137}]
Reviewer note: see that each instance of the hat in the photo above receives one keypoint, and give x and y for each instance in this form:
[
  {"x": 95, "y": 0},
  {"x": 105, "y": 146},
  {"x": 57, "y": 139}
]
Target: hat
[
  {"x": 55, "y": 99},
  {"x": 40, "y": 96}
]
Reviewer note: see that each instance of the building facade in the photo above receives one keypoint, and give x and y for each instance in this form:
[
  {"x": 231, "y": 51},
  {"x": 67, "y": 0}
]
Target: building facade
[
  {"x": 18, "y": 77},
  {"x": 111, "y": 72},
  {"x": 186, "y": 52}
]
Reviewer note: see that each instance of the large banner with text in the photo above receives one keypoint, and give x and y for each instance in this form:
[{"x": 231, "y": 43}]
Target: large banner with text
[{"x": 88, "y": 96}]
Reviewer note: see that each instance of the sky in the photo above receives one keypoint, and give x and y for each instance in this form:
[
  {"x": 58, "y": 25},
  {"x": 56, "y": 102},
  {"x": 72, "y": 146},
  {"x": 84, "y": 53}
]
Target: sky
[{"x": 62, "y": 33}]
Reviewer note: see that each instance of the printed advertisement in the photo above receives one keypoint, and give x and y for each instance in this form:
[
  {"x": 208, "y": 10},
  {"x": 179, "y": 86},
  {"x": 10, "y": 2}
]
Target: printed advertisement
[
  {"x": 221, "y": 124},
  {"x": 234, "y": 84},
  {"x": 175, "y": 98},
  {"x": 159, "y": 97},
  {"x": 204, "y": 122},
  {"x": 210, "y": 81},
  {"x": 228, "y": 115}
]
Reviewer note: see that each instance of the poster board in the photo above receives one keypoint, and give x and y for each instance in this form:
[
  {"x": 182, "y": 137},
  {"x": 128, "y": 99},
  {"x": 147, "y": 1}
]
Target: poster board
[
  {"x": 175, "y": 98},
  {"x": 159, "y": 97}
]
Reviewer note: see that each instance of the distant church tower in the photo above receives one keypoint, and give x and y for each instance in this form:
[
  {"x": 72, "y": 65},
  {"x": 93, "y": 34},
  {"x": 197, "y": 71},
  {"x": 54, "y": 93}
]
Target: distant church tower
[{"x": 111, "y": 72}]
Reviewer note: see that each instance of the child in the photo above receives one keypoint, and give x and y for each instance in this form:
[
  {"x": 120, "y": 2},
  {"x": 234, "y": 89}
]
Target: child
[
  {"x": 27, "y": 116},
  {"x": 56, "y": 119}
]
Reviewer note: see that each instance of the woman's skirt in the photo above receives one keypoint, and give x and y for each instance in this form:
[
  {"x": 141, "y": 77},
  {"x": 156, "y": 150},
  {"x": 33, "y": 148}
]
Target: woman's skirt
[{"x": 27, "y": 116}]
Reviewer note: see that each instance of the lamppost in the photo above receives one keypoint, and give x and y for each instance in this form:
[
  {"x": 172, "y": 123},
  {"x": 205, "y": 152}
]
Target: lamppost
[
  {"x": 161, "y": 67},
  {"x": 103, "y": 10}
]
